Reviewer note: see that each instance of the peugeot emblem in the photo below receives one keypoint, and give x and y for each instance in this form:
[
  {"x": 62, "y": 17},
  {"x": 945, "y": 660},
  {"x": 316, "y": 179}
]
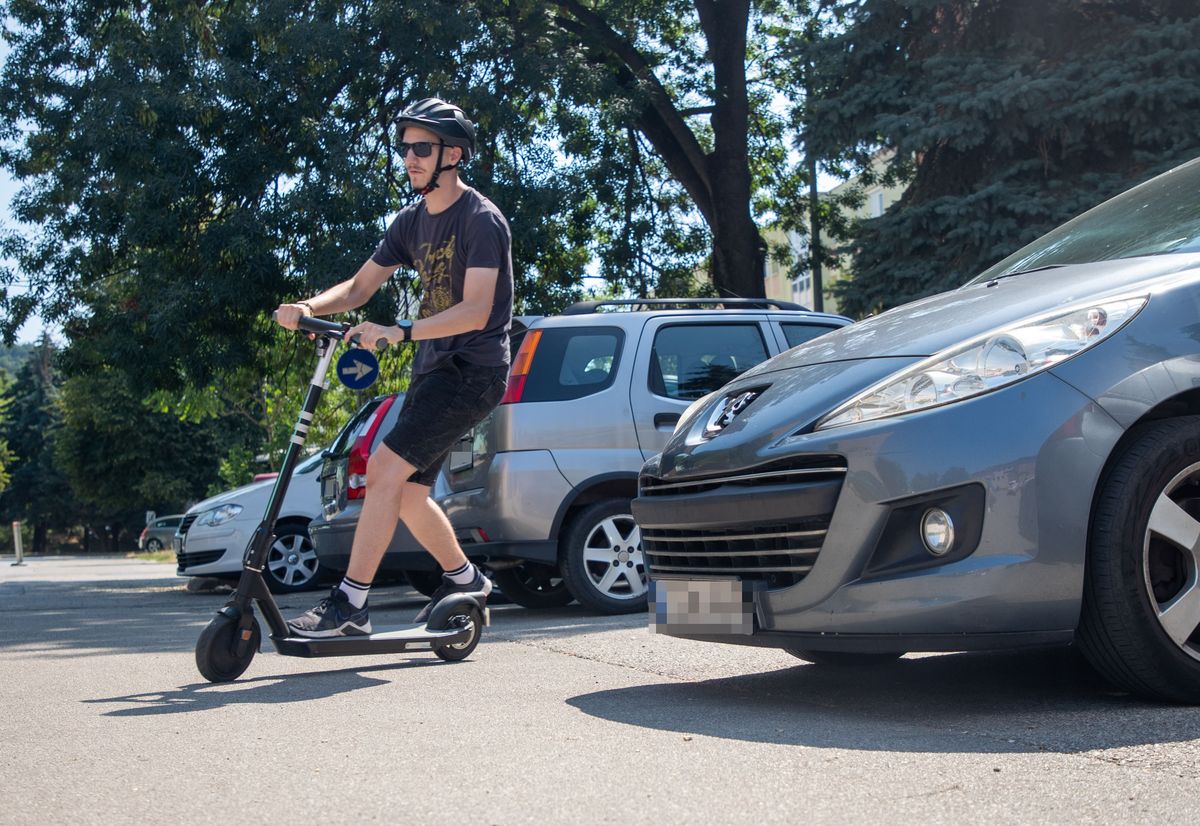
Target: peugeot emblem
[{"x": 725, "y": 412}]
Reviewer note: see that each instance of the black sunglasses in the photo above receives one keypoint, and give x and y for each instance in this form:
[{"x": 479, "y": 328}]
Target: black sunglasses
[{"x": 422, "y": 149}]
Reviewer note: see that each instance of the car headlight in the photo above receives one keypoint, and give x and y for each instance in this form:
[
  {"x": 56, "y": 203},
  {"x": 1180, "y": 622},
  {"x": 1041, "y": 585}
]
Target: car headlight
[
  {"x": 219, "y": 516},
  {"x": 988, "y": 363}
]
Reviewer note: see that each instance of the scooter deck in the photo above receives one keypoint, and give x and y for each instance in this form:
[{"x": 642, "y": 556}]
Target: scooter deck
[{"x": 383, "y": 642}]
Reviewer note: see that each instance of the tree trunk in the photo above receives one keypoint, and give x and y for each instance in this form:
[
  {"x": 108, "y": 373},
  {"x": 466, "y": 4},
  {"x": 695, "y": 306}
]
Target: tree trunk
[
  {"x": 814, "y": 245},
  {"x": 718, "y": 182},
  {"x": 739, "y": 254},
  {"x": 39, "y": 538}
]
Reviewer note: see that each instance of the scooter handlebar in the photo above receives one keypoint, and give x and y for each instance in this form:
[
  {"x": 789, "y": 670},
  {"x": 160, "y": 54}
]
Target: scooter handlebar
[
  {"x": 381, "y": 344},
  {"x": 319, "y": 326}
]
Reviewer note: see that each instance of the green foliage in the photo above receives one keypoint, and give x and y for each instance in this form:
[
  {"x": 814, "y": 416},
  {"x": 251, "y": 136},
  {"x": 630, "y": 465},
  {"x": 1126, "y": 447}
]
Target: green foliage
[
  {"x": 13, "y": 358},
  {"x": 37, "y": 492},
  {"x": 1008, "y": 117},
  {"x": 6, "y": 456},
  {"x": 121, "y": 458}
]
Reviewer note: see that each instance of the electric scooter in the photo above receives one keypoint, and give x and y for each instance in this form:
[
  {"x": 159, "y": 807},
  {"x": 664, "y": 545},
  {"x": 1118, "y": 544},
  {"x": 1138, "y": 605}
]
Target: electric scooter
[{"x": 232, "y": 637}]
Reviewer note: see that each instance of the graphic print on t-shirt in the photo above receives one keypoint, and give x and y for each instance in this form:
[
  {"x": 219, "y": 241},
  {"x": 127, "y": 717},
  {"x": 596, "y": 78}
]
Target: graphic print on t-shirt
[{"x": 433, "y": 265}]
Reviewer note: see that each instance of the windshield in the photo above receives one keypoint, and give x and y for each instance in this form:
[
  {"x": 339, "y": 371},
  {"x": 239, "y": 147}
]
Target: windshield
[
  {"x": 310, "y": 463},
  {"x": 1160, "y": 216}
]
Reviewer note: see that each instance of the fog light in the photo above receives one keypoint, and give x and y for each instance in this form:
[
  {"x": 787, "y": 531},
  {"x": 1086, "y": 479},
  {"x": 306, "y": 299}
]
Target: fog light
[{"x": 937, "y": 531}]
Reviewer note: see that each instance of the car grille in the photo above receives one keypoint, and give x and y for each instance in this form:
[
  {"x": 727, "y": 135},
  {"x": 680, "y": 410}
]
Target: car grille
[
  {"x": 187, "y": 523},
  {"x": 776, "y": 473},
  {"x": 765, "y": 524},
  {"x": 192, "y": 560}
]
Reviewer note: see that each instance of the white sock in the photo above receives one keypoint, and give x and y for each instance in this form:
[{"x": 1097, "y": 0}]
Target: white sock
[
  {"x": 462, "y": 576},
  {"x": 355, "y": 591}
]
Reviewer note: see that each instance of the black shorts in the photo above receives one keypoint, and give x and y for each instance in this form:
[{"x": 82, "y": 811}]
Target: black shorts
[{"x": 439, "y": 408}]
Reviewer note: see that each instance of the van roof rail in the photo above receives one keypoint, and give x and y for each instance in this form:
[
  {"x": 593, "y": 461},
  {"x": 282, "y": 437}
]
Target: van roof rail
[{"x": 633, "y": 304}]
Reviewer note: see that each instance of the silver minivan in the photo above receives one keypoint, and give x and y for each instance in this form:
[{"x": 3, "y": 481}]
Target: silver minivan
[
  {"x": 542, "y": 488},
  {"x": 539, "y": 492},
  {"x": 1012, "y": 463}
]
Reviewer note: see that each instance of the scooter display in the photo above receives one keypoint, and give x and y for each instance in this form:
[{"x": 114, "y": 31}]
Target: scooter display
[{"x": 232, "y": 638}]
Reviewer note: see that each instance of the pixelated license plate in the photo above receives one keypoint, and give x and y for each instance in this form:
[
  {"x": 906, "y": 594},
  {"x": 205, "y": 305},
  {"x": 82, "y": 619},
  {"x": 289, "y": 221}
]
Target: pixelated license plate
[{"x": 701, "y": 606}]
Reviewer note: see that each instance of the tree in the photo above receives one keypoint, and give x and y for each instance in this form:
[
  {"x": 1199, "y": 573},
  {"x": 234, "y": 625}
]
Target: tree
[
  {"x": 189, "y": 166},
  {"x": 121, "y": 458},
  {"x": 6, "y": 457},
  {"x": 675, "y": 75},
  {"x": 37, "y": 493},
  {"x": 1007, "y": 117}
]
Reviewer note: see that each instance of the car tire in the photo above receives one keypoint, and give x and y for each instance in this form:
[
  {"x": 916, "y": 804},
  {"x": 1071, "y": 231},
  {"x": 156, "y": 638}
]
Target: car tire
[
  {"x": 531, "y": 585},
  {"x": 601, "y": 558},
  {"x": 1140, "y": 621},
  {"x": 424, "y": 582},
  {"x": 154, "y": 545},
  {"x": 845, "y": 659},
  {"x": 292, "y": 563}
]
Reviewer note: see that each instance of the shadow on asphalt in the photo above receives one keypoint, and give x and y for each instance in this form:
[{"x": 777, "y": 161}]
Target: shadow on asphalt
[
  {"x": 1016, "y": 701},
  {"x": 270, "y": 690},
  {"x": 80, "y": 619}
]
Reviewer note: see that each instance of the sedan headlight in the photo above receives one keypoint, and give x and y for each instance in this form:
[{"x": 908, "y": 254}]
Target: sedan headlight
[
  {"x": 988, "y": 363},
  {"x": 219, "y": 516}
]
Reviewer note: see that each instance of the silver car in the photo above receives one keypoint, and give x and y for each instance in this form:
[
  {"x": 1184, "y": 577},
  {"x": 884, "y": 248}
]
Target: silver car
[{"x": 1016, "y": 462}]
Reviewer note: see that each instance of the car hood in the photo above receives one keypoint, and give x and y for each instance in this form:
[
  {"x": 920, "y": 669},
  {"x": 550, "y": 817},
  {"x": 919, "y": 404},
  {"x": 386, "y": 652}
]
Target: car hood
[
  {"x": 236, "y": 495},
  {"x": 800, "y": 386},
  {"x": 254, "y": 496},
  {"x": 933, "y": 324}
]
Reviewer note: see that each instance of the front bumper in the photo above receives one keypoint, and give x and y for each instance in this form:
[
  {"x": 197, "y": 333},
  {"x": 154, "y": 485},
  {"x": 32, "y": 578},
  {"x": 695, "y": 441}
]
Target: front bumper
[
  {"x": 212, "y": 551},
  {"x": 1022, "y": 463}
]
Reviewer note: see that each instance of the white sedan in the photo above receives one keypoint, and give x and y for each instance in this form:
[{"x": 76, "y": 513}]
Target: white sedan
[{"x": 214, "y": 534}]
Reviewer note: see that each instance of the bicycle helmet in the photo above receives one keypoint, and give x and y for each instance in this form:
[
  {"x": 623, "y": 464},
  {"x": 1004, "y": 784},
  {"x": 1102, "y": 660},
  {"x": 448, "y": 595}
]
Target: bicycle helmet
[
  {"x": 449, "y": 123},
  {"x": 443, "y": 119}
]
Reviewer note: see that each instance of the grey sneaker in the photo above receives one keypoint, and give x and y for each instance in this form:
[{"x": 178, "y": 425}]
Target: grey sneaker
[
  {"x": 479, "y": 587},
  {"x": 334, "y": 616}
]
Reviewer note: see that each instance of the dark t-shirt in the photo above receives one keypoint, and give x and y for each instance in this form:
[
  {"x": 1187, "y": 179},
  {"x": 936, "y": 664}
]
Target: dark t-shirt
[{"x": 471, "y": 233}]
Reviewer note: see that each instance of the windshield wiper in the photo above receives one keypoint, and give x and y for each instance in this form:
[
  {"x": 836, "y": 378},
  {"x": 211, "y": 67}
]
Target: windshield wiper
[{"x": 996, "y": 278}]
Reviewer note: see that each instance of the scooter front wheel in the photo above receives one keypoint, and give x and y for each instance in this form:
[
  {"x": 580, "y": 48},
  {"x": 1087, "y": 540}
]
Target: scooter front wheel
[
  {"x": 217, "y": 654},
  {"x": 468, "y": 616}
]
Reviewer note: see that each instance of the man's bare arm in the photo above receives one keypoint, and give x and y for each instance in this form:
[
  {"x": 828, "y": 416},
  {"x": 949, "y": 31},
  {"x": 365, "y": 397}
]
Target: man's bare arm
[
  {"x": 472, "y": 313},
  {"x": 349, "y": 294}
]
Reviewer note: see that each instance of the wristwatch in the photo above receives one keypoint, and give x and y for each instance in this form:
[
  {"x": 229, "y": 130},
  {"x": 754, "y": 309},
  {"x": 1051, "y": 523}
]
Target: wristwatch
[{"x": 405, "y": 325}]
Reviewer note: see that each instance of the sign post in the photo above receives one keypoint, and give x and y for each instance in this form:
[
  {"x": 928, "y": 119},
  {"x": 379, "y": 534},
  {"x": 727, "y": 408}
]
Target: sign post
[{"x": 16, "y": 528}]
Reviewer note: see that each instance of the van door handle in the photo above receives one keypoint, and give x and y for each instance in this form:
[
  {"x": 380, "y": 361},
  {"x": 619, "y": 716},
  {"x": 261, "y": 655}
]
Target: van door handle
[{"x": 666, "y": 419}]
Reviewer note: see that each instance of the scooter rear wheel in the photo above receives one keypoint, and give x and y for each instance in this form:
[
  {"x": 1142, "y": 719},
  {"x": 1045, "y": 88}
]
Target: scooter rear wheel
[
  {"x": 216, "y": 650},
  {"x": 467, "y": 616}
]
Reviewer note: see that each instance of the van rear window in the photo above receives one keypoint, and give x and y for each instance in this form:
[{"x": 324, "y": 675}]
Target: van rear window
[
  {"x": 797, "y": 334},
  {"x": 573, "y": 363}
]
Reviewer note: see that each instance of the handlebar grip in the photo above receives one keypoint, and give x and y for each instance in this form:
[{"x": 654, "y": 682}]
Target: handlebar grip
[
  {"x": 331, "y": 329},
  {"x": 381, "y": 344}
]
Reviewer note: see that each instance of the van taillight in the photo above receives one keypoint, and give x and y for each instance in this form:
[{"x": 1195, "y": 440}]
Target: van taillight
[
  {"x": 520, "y": 367},
  {"x": 356, "y": 467}
]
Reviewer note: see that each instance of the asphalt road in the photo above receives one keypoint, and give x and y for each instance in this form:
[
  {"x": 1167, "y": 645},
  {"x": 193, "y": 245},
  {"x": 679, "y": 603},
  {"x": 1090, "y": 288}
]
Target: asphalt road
[{"x": 558, "y": 717}]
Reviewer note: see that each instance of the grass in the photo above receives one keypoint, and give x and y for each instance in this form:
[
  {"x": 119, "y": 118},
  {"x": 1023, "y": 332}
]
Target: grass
[{"x": 152, "y": 556}]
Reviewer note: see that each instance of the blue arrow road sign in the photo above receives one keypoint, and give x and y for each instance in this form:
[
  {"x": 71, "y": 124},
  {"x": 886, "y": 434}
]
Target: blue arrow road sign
[{"x": 357, "y": 369}]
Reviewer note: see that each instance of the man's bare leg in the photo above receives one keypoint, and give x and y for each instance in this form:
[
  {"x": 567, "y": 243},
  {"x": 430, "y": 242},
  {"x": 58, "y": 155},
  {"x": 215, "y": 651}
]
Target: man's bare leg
[
  {"x": 387, "y": 477},
  {"x": 392, "y": 498},
  {"x": 429, "y": 525}
]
